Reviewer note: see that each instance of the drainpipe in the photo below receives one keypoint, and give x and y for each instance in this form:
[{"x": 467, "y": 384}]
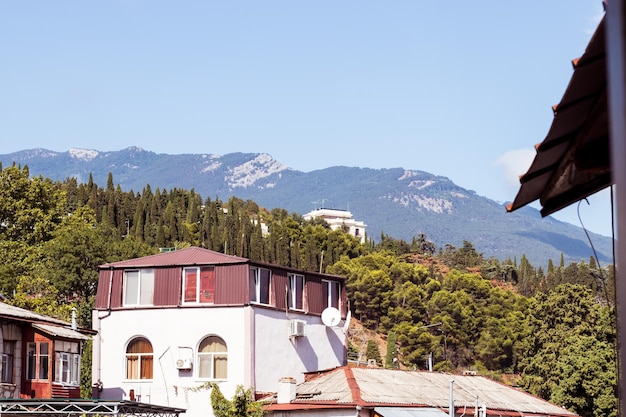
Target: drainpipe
[
  {"x": 97, "y": 351},
  {"x": 451, "y": 407},
  {"x": 252, "y": 344}
]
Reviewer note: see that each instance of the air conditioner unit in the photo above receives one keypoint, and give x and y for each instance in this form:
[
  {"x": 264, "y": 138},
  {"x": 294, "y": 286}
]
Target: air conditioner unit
[
  {"x": 296, "y": 328},
  {"x": 183, "y": 364}
]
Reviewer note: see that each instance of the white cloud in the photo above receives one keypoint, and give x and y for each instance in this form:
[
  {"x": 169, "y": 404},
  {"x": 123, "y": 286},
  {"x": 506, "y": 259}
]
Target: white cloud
[{"x": 515, "y": 164}]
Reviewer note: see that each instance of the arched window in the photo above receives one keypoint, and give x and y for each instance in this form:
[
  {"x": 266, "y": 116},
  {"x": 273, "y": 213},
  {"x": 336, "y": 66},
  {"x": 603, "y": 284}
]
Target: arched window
[
  {"x": 212, "y": 358},
  {"x": 139, "y": 356}
]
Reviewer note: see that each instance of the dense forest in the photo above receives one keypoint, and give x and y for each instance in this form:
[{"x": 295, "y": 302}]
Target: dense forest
[{"x": 549, "y": 331}]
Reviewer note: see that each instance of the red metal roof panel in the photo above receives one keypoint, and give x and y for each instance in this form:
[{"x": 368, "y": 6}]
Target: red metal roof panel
[{"x": 186, "y": 256}]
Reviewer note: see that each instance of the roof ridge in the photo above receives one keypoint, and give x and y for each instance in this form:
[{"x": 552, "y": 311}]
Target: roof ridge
[{"x": 353, "y": 384}]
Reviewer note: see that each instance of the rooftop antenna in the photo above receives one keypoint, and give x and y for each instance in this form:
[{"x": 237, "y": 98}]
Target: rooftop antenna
[{"x": 317, "y": 204}]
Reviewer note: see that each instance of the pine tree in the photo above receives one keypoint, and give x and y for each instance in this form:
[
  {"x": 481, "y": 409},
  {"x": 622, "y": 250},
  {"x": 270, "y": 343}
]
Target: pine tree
[
  {"x": 372, "y": 352},
  {"x": 391, "y": 359}
]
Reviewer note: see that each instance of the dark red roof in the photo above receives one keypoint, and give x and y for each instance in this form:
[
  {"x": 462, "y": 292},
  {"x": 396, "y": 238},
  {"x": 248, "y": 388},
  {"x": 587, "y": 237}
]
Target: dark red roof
[
  {"x": 573, "y": 160},
  {"x": 187, "y": 256}
]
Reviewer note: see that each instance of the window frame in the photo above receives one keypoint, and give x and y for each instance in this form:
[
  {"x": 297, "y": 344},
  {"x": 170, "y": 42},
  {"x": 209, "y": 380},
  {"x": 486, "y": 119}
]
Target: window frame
[
  {"x": 67, "y": 363},
  {"x": 203, "y": 284},
  {"x": 327, "y": 287},
  {"x": 143, "y": 294},
  {"x": 8, "y": 362},
  {"x": 297, "y": 293},
  {"x": 210, "y": 357},
  {"x": 38, "y": 363},
  {"x": 256, "y": 287},
  {"x": 141, "y": 358}
]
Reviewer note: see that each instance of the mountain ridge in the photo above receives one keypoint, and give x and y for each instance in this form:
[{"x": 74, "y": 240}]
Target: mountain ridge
[{"x": 401, "y": 203}]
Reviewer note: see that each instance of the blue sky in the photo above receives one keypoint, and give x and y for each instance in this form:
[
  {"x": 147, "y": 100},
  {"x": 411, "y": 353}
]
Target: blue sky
[{"x": 459, "y": 89}]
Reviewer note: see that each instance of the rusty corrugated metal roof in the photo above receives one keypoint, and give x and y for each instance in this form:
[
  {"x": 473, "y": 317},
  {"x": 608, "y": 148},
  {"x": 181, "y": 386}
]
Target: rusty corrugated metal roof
[
  {"x": 53, "y": 326},
  {"x": 573, "y": 161},
  {"x": 59, "y": 331},
  {"x": 409, "y": 412},
  {"x": 385, "y": 387},
  {"x": 21, "y": 314},
  {"x": 186, "y": 256},
  {"x": 332, "y": 386}
]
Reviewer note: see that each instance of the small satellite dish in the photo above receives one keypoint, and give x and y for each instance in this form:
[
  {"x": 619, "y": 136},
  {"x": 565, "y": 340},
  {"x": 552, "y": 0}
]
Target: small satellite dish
[{"x": 331, "y": 316}]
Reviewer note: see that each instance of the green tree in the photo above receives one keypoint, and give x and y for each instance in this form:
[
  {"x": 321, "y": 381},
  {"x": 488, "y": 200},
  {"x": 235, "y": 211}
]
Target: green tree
[
  {"x": 562, "y": 326},
  {"x": 71, "y": 258},
  {"x": 391, "y": 357},
  {"x": 38, "y": 295},
  {"x": 372, "y": 352},
  {"x": 241, "y": 405},
  {"x": 587, "y": 377}
]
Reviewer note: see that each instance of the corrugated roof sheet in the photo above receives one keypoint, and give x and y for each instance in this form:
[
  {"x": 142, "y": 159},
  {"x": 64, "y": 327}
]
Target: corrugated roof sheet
[
  {"x": 329, "y": 387},
  {"x": 10, "y": 311},
  {"x": 47, "y": 324},
  {"x": 59, "y": 331},
  {"x": 186, "y": 256},
  {"x": 384, "y": 387},
  {"x": 409, "y": 412}
]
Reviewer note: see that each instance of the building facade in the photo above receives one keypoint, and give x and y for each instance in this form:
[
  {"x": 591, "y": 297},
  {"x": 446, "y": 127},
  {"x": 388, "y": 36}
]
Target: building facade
[
  {"x": 339, "y": 220},
  {"x": 41, "y": 356},
  {"x": 170, "y": 325}
]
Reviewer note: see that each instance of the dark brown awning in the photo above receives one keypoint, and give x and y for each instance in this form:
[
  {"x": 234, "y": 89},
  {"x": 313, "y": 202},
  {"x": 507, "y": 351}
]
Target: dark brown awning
[{"x": 573, "y": 161}]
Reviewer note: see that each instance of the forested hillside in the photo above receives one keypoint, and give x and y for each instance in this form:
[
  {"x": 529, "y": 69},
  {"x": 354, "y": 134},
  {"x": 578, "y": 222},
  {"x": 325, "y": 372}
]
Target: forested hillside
[
  {"x": 550, "y": 331},
  {"x": 398, "y": 202}
]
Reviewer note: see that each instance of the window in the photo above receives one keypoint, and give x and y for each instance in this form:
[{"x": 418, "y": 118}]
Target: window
[
  {"x": 8, "y": 360},
  {"x": 296, "y": 291},
  {"x": 260, "y": 279},
  {"x": 67, "y": 362},
  {"x": 37, "y": 360},
  {"x": 139, "y": 359},
  {"x": 139, "y": 287},
  {"x": 331, "y": 293},
  {"x": 199, "y": 285},
  {"x": 212, "y": 358}
]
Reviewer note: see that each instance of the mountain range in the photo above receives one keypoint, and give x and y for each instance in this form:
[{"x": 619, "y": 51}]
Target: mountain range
[{"x": 401, "y": 203}]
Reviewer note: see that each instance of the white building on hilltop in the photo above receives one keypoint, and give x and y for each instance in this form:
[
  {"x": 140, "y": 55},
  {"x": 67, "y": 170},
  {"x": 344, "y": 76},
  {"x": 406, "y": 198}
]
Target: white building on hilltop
[{"x": 339, "y": 219}]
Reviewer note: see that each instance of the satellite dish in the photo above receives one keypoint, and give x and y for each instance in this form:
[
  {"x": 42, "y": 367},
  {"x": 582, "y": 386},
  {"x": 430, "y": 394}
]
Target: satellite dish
[{"x": 331, "y": 316}]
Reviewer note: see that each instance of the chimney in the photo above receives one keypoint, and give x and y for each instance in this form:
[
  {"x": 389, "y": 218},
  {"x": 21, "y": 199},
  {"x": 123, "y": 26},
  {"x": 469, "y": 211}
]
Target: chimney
[{"x": 286, "y": 390}]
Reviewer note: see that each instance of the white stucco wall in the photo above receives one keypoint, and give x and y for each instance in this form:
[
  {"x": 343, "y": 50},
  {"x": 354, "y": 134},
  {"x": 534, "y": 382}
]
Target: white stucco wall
[
  {"x": 260, "y": 351},
  {"x": 279, "y": 356},
  {"x": 167, "y": 330}
]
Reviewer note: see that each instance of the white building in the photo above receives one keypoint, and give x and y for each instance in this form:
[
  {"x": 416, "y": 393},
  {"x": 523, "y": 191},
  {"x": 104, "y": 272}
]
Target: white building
[
  {"x": 339, "y": 219},
  {"x": 170, "y": 324}
]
